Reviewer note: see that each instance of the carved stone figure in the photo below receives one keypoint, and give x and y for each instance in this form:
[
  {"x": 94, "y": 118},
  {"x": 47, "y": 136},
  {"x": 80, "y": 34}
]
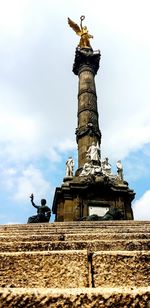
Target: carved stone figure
[
  {"x": 119, "y": 169},
  {"x": 106, "y": 167},
  {"x": 86, "y": 169},
  {"x": 82, "y": 32},
  {"x": 93, "y": 153},
  {"x": 112, "y": 214},
  {"x": 90, "y": 169},
  {"x": 69, "y": 166},
  {"x": 77, "y": 209},
  {"x": 43, "y": 212}
]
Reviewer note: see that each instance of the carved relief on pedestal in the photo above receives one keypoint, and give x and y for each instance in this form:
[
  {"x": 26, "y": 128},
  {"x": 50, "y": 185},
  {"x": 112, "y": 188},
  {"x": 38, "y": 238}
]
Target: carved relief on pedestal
[{"x": 77, "y": 208}]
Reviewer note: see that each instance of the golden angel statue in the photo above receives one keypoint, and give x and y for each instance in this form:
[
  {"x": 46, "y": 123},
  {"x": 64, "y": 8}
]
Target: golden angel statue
[{"x": 82, "y": 32}]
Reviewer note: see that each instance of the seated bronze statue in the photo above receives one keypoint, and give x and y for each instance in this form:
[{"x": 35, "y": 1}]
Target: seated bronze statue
[
  {"x": 112, "y": 214},
  {"x": 43, "y": 212}
]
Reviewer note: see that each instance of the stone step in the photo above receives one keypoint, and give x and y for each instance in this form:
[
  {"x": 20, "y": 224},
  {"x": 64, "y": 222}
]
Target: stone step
[
  {"x": 85, "y": 297},
  {"x": 91, "y": 246},
  {"x": 78, "y": 231},
  {"x": 72, "y": 237},
  {"x": 77, "y": 225},
  {"x": 75, "y": 269},
  {"x": 44, "y": 269},
  {"x": 77, "y": 264},
  {"x": 121, "y": 268},
  {"x": 105, "y": 236}
]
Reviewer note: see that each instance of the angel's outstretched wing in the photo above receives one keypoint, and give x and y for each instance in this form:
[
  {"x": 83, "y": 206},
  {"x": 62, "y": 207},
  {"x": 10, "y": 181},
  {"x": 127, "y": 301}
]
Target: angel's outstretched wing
[{"x": 74, "y": 26}]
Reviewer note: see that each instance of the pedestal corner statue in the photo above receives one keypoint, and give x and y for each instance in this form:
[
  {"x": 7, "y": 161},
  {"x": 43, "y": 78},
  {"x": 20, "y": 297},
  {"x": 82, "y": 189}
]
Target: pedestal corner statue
[
  {"x": 92, "y": 191},
  {"x": 69, "y": 167},
  {"x": 43, "y": 212}
]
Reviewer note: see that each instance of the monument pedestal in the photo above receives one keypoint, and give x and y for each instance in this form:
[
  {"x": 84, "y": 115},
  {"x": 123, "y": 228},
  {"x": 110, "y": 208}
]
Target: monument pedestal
[{"x": 84, "y": 196}]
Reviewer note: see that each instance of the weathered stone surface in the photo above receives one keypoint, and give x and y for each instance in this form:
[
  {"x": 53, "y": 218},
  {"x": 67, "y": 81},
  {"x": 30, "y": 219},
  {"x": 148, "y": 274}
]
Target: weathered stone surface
[
  {"x": 99, "y": 230},
  {"x": 118, "y": 235},
  {"x": 74, "y": 225},
  {"x": 42, "y": 261},
  {"x": 120, "y": 268},
  {"x": 107, "y": 236},
  {"x": 91, "y": 245},
  {"x": 73, "y": 298},
  {"x": 90, "y": 192},
  {"x": 44, "y": 269},
  {"x": 46, "y": 237}
]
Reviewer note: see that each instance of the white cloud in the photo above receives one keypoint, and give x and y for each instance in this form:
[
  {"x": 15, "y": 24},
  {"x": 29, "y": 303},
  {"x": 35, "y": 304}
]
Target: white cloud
[
  {"x": 137, "y": 165},
  {"x": 125, "y": 140},
  {"x": 11, "y": 16},
  {"x": 67, "y": 145},
  {"x": 7, "y": 178},
  {"x": 31, "y": 181},
  {"x": 21, "y": 184},
  {"x": 53, "y": 154},
  {"x": 141, "y": 207},
  {"x": 17, "y": 127}
]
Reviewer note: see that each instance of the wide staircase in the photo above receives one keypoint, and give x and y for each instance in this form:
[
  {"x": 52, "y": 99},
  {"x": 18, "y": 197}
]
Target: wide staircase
[{"x": 75, "y": 264}]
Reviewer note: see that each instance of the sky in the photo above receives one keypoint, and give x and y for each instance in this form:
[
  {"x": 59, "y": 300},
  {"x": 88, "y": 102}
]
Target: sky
[{"x": 38, "y": 97}]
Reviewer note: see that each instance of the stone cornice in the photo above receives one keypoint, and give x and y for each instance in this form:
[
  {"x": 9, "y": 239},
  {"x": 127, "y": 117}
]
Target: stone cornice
[{"x": 86, "y": 59}]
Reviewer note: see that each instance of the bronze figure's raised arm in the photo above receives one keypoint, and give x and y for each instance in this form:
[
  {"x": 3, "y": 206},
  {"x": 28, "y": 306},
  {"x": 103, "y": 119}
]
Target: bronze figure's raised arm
[
  {"x": 82, "y": 32},
  {"x": 43, "y": 212}
]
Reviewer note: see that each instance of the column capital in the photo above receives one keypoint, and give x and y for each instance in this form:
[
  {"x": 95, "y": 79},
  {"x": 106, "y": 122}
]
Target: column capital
[{"x": 86, "y": 59}]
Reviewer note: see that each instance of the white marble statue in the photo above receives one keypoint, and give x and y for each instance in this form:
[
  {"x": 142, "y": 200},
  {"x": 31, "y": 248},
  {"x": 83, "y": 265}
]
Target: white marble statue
[
  {"x": 86, "y": 169},
  {"x": 119, "y": 169},
  {"x": 69, "y": 166},
  {"x": 90, "y": 169},
  {"x": 106, "y": 167},
  {"x": 94, "y": 152}
]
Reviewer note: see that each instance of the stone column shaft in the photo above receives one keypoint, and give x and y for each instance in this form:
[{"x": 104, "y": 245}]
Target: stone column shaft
[{"x": 85, "y": 66}]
